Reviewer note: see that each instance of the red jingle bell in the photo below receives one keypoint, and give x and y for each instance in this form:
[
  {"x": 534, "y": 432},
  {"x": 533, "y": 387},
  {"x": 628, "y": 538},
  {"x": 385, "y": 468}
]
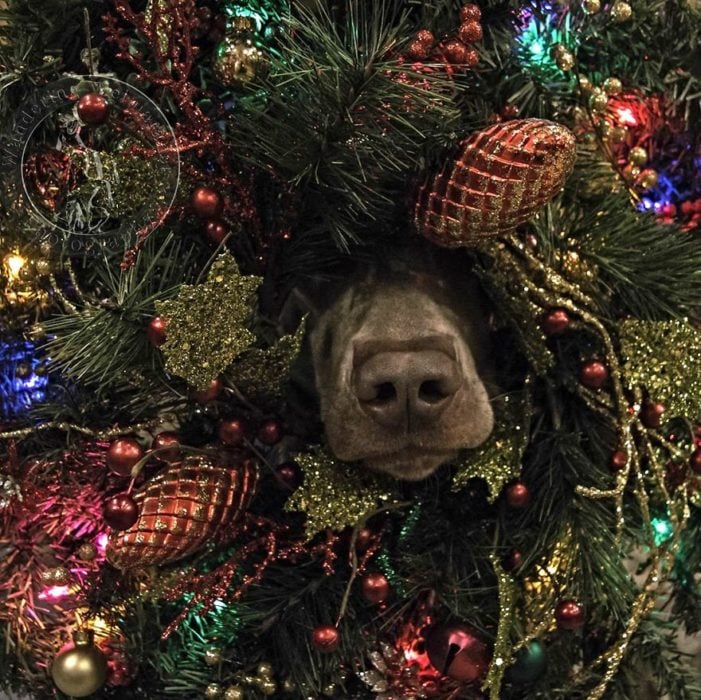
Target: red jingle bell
[
  {"x": 93, "y": 109},
  {"x": 593, "y": 374},
  {"x": 569, "y": 615},
  {"x": 457, "y": 652},
  {"x": 121, "y": 512},
  {"x": 207, "y": 203},
  {"x": 326, "y": 639},
  {"x": 122, "y": 455},
  {"x": 376, "y": 588},
  {"x": 156, "y": 331},
  {"x": 231, "y": 431}
]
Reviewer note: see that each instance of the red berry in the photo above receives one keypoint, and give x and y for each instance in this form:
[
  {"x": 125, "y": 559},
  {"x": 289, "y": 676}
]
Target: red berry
[
  {"x": 455, "y": 52},
  {"x": 207, "y": 203},
  {"x": 326, "y": 638},
  {"x": 376, "y": 588},
  {"x": 470, "y": 12},
  {"x": 555, "y": 322},
  {"x": 619, "y": 460},
  {"x": 426, "y": 37},
  {"x": 472, "y": 57},
  {"x": 170, "y": 444},
  {"x": 231, "y": 431},
  {"x": 569, "y": 615},
  {"x": 593, "y": 374},
  {"x": 156, "y": 331},
  {"x": 122, "y": 455},
  {"x": 121, "y": 512},
  {"x": 289, "y": 475},
  {"x": 363, "y": 539},
  {"x": 270, "y": 432},
  {"x": 470, "y": 32},
  {"x": 651, "y": 414},
  {"x": 210, "y": 393},
  {"x": 518, "y": 495},
  {"x": 418, "y": 51},
  {"x": 215, "y": 230},
  {"x": 687, "y": 207},
  {"x": 93, "y": 109},
  {"x": 512, "y": 561},
  {"x": 695, "y": 461}
]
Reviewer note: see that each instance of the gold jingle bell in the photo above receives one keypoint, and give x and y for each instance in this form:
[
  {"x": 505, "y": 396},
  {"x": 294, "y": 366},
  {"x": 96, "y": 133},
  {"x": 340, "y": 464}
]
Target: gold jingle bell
[
  {"x": 81, "y": 668},
  {"x": 239, "y": 60}
]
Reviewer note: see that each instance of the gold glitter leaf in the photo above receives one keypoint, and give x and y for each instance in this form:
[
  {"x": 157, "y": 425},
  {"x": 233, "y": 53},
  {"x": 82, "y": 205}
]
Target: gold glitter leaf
[
  {"x": 499, "y": 459},
  {"x": 337, "y": 494},
  {"x": 665, "y": 358},
  {"x": 206, "y": 323}
]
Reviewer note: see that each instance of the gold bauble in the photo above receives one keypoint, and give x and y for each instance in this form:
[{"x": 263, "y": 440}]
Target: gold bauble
[
  {"x": 618, "y": 134},
  {"x": 268, "y": 687},
  {"x": 565, "y": 61},
  {"x": 87, "y": 551},
  {"x": 213, "y": 691},
  {"x": 637, "y": 156},
  {"x": 631, "y": 172},
  {"x": 648, "y": 179},
  {"x": 56, "y": 576},
  {"x": 265, "y": 670},
  {"x": 584, "y": 83},
  {"x": 598, "y": 102},
  {"x": 234, "y": 692},
  {"x": 621, "y": 12},
  {"x": 591, "y": 7},
  {"x": 80, "y": 669},
  {"x": 239, "y": 62},
  {"x": 612, "y": 86},
  {"x": 43, "y": 267},
  {"x": 212, "y": 656}
]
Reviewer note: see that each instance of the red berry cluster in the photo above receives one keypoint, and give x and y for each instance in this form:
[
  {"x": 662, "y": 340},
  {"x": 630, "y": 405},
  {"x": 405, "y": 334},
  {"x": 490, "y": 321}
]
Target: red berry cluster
[
  {"x": 688, "y": 211},
  {"x": 457, "y": 50},
  {"x": 233, "y": 432}
]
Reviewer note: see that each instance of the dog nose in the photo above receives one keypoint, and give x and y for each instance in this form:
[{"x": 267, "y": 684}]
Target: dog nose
[{"x": 406, "y": 389}]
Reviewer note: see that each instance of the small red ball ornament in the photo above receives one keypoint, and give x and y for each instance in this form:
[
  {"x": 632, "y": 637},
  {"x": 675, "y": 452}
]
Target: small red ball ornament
[
  {"x": 326, "y": 639},
  {"x": 593, "y": 374},
  {"x": 207, "y": 203},
  {"x": 512, "y": 561},
  {"x": 695, "y": 461},
  {"x": 518, "y": 495},
  {"x": 457, "y": 652},
  {"x": 93, "y": 109},
  {"x": 619, "y": 460},
  {"x": 270, "y": 432},
  {"x": 470, "y": 12},
  {"x": 555, "y": 322},
  {"x": 122, "y": 455},
  {"x": 569, "y": 615},
  {"x": 121, "y": 512},
  {"x": 156, "y": 332},
  {"x": 470, "y": 32},
  {"x": 215, "y": 230},
  {"x": 210, "y": 393},
  {"x": 651, "y": 414},
  {"x": 231, "y": 431},
  {"x": 170, "y": 444},
  {"x": 376, "y": 588},
  {"x": 363, "y": 539}
]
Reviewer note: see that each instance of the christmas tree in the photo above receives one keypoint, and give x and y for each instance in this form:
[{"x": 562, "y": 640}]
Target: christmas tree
[{"x": 191, "y": 192}]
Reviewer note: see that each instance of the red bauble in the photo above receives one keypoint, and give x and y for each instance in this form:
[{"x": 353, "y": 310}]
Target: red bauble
[
  {"x": 518, "y": 495},
  {"x": 455, "y": 52},
  {"x": 470, "y": 12},
  {"x": 170, "y": 444},
  {"x": 215, "y": 230},
  {"x": 156, "y": 331},
  {"x": 270, "y": 432},
  {"x": 210, "y": 393},
  {"x": 363, "y": 539},
  {"x": 619, "y": 460},
  {"x": 470, "y": 32},
  {"x": 326, "y": 638},
  {"x": 651, "y": 414},
  {"x": 121, "y": 512},
  {"x": 593, "y": 374},
  {"x": 93, "y": 109},
  {"x": 122, "y": 455},
  {"x": 418, "y": 51},
  {"x": 457, "y": 652},
  {"x": 207, "y": 203},
  {"x": 695, "y": 461},
  {"x": 376, "y": 588},
  {"x": 555, "y": 322},
  {"x": 426, "y": 37},
  {"x": 231, "y": 431},
  {"x": 289, "y": 475},
  {"x": 569, "y": 615},
  {"x": 512, "y": 561}
]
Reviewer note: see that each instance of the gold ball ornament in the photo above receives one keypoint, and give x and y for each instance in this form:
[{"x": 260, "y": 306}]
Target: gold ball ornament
[
  {"x": 213, "y": 656},
  {"x": 213, "y": 691},
  {"x": 648, "y": 179},
  {"x": 234, "y": 692},
  {"x": 598, "y": 102},
  {"x": 591, "y": 7},
  {"x": 565, "y": 61},
  {"x": 612, "y": 86},
  {"x": 43, "y": 267},
  {"x": 87, "y": 551},
  {"x": 631, "y": 172},
  {"x": 617, "y": 134},
  {"x": 637, "y": 156},
  {"x": 56, "y": 576},
  {"x": 621, "y": 12},
  {"x": 79, "y": 669},
  {"x": 239, "y": 62},
  {"x": 585, "y": 84},
  {"x": 265, "y": 670}
]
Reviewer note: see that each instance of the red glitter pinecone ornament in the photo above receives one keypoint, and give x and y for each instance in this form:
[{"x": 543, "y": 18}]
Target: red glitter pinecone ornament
[
  {"x": 180, "y": 510},
  {"x": 501, "y": 177}
]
